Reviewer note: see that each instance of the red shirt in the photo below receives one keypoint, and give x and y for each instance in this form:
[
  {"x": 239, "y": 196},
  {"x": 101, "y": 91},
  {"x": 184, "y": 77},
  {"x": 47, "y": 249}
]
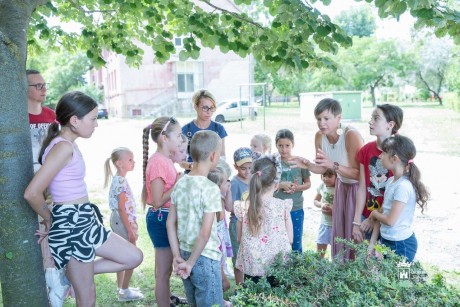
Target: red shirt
[
  {"x": 38, "y": 130},
  {"x": 375, "y": 174}
]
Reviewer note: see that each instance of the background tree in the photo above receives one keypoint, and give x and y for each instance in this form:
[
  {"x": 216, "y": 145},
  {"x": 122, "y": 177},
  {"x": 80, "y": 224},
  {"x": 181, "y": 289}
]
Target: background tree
[
  {"x": 357, "y": 21},
  {"x": 434, "y": 56},
  {"x": 289, "y": 40}
]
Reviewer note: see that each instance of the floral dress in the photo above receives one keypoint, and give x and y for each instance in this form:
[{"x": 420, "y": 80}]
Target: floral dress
[{"x": 258, "y": 252}]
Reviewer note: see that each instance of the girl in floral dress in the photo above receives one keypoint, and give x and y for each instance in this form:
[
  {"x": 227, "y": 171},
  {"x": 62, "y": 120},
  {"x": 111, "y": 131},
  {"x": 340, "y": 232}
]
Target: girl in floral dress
[{"x": 264, "y": 222}]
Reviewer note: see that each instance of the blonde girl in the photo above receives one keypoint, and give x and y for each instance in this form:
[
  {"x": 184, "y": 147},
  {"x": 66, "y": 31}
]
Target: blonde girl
[
  {"x": 404, "y": 190},
  {"x": 123, "y": 220},
  {"x": 76, "y": 236},
  {"x": 264, "y": 223},
  {"x": 160, "y": 176},
  {"x": 261, "y": 143}
]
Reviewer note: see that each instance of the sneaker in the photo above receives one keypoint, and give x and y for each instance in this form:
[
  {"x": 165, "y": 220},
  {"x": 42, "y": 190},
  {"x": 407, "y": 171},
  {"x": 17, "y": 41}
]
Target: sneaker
[
  {"x": 58, "y": 285},
  {"x": 129, "y": 295},
  {"x": 130, "y": 288}
]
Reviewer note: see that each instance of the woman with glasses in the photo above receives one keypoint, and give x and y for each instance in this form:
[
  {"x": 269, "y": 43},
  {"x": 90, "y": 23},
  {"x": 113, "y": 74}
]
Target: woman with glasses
[{"x": 205, "y": 105}]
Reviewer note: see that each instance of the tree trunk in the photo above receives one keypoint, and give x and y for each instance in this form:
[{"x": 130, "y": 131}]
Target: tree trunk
[
  {"x": 372, "y": 90},
  {"x": 439, "y": 98},
  {"x": 21, "y": 267}
]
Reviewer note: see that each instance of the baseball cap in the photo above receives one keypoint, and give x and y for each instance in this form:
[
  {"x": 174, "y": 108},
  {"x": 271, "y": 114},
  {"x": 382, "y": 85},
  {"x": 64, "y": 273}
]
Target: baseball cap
[{"x": 242, "y": 155}]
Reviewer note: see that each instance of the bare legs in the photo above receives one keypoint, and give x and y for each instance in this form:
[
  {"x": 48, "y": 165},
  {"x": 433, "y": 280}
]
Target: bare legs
[
  {"x": 117, "y": 255},
  {"x": 163, "y": 270}
]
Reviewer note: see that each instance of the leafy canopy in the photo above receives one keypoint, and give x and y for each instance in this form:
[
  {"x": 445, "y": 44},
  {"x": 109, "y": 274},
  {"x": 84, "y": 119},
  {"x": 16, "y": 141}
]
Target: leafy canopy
[{"x": 289, "y": 39}]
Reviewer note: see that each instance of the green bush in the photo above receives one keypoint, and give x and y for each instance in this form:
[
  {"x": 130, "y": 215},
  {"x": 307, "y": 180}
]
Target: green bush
[
  {"x": 452, "y": 101},
  {"x": 308, "y": 280}
]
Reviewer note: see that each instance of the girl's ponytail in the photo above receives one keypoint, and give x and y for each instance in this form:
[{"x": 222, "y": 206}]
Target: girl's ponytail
[
  {"x": 53, "y": 131},
  {"x": 107, "y": 172},
  {"x": 145, "y": 158},
  {"x": 421, "y": 192},
  {"x": 255, "y": 203}
]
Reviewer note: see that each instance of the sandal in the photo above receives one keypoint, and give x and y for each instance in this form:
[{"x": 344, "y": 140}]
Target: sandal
[{"x": 178, "y": 300}]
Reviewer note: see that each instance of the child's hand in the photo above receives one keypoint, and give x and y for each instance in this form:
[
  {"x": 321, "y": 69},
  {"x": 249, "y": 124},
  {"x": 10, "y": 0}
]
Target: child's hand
[
  {"x": 131, "y": 236},
  {"x": 286, "y": 187},
  {"x": 367, "y": 225},
  {"x": 183, "y": 270},
  {"x": 42, "y": 234},
  {"x": 326, "y": 209}
]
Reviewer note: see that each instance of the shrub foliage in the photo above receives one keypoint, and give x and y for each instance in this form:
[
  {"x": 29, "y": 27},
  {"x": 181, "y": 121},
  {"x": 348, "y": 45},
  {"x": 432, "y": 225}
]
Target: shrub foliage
[{"x": 308, "y": 280}]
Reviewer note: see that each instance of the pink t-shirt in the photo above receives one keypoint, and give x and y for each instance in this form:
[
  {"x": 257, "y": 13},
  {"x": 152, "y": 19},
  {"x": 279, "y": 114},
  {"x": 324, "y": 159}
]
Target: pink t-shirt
[
  {"x": 69, "y": 183},
  {"x": 162, "y": 167}
]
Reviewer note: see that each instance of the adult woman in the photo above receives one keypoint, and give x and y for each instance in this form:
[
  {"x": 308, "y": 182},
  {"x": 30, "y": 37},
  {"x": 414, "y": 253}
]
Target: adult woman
[
  {"x": 205, "y": 105},
  {"x": 76, "y": 237},
  {"x": 336, "y": 148}
]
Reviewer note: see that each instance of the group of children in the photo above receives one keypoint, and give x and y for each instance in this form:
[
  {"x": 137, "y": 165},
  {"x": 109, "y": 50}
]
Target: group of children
[{"x": 259, "y": 197}]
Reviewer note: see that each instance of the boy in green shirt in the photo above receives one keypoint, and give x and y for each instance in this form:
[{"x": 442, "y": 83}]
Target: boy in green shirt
[{"x": 191, "y": 224}]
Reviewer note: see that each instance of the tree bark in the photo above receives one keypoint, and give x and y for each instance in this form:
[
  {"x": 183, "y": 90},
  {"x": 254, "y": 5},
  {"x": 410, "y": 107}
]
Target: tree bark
[
  {"x": 436, "y": 93},
  {"x": 21, "y": 267},
  {"x": 372, "y": 90}
]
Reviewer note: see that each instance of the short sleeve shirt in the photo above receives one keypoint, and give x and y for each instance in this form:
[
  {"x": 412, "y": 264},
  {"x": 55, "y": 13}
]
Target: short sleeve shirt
[
  {"x": 38, "y": 130},
  {"x": 290, "y": 174},
  {"x": 400, "y": 190},
  {"x": 258, "y": 252},
  {"x": 190, "y": 129},
  {"x": 239, "y": 190},
  {"x": 193, "y": 196},
  {"x": 376, "y": 176},
  {"x": 120, "y": 185},
  {"x": 160, "y": 166},
  {"x": 327, "y": 197}
]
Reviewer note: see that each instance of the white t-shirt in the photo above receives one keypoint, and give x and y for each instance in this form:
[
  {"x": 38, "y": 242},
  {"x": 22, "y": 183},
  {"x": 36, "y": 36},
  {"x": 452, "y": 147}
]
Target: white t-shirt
[
  {"x": 403, "y": 191},
  {"x": 118, "y": 186}
]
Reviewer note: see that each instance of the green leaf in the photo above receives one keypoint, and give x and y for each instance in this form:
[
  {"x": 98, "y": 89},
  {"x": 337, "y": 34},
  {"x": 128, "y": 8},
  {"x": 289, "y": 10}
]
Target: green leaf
[
  {"x": 323, "y": 30},
  {"x": 9, "y": 255},
  {"x": 183, "y": 55},
  {"x": 89, "y": 54}
]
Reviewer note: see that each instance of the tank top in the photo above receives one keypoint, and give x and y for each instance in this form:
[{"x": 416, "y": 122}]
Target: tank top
[
  {"x": 69, "y": 183},
  {"x": 338, "y": 152}
]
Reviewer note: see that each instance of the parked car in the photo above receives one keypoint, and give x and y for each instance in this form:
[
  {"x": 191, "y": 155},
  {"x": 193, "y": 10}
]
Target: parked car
[
  {"x": 229, "y": 110},
  {"x": 102, "y": 111}
]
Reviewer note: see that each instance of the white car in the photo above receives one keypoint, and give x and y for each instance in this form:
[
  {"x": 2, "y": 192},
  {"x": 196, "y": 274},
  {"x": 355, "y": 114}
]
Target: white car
[{"x": 229, "y": 110}]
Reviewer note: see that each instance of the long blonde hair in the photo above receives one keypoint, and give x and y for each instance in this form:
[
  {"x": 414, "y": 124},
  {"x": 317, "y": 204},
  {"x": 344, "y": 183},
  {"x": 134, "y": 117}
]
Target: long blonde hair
[
  {"x": 263, "y": 174},
  {"x": 114, "y": 157}
]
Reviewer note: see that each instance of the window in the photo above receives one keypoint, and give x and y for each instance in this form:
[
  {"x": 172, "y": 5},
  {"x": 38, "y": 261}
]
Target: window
[
  {"x": 178, "y": 41},
  {"x": 189, "y": 76}
]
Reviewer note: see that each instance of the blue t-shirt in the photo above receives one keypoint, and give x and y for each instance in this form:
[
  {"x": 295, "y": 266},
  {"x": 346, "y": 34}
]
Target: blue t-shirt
[
  {"x": 190, "y": 129},
  {"x": 239, "y": 190}
]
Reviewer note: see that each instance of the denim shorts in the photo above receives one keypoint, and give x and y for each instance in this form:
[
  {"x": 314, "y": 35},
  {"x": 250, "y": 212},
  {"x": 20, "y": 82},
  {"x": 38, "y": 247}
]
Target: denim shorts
[
  {"x": 234, "y": 238},
  {"x": 156, "y": 227},
  {"x": 324, "y": 234},
  {"x": 406, "y": 248},
  {"x": 204, "y": 285}
]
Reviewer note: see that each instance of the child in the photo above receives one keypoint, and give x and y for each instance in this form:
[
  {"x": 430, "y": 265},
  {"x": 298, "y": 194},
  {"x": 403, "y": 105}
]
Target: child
[
  {"x": 324, "y": 199},
  {"x": 264, "y": 222},
  {"x": 123, "y": 218},
  {"x": 192, "y": 224},
  {"x": 293, "y": 182},
  {"x": 219, "y": 177},
  {"x": 261, "y": 143},
  {"x": 403, "y": 190},
  {"x": 160, "y": 175},
  {"x": 63, "y": 171},
  {"x": 242, "y": 158},
  {"x": 385, "y": 121}
]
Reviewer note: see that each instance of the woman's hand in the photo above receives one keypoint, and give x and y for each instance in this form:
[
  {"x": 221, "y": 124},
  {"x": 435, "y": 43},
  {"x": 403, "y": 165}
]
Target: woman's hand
[
  {"x": 299, "y": 162},
  {"x": 357, "y": 234},
  {"x": 323, "y": 160}
]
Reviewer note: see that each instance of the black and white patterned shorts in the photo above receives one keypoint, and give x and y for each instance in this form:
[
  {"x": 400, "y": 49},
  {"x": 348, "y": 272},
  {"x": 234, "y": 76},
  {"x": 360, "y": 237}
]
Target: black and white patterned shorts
[{"x": 75, "y": 232}]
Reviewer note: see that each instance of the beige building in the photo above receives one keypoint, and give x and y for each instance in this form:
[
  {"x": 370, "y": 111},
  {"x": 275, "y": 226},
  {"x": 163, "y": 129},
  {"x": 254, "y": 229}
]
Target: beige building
[{"x": 156, "y": 89}]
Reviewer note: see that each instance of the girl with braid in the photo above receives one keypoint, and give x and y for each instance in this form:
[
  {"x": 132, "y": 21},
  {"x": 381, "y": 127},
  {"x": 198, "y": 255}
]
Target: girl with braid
[
  {"x": 74, "y": 233},
  {"x": 160, "y": 175}
]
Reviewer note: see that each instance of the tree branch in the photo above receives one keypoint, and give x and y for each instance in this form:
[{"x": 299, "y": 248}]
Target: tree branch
[
  {"x": 376, "y": 83},
  {"x": 419, "y": 73},
  {"x": 237, "y": 16}
]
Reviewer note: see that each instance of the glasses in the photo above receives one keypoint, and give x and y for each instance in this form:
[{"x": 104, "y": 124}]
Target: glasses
[
  {"x": 39, "y": 86},
  {"x": 208, "y": 109},
  {"x": 171, "y": 120}
]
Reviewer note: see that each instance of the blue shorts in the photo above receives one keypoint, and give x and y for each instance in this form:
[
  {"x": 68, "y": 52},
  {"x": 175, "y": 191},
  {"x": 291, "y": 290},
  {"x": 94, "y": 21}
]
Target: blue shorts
[
  {"x": 204, "y": 285},
  {"x": 156, "y": 227},
  {"x": 324, "y": 234},
  {"x": 406, "y": 248}
]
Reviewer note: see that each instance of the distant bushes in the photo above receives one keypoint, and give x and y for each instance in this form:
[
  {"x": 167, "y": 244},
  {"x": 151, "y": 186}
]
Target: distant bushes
[
  {"x": 308, "y": 280},
  {"x": 452, "y": 101}
]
